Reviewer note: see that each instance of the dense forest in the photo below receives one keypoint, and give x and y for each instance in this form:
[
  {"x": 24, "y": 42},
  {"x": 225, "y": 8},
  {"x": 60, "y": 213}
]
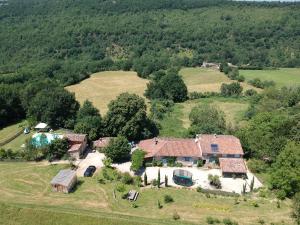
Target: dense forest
[{"x": 66, "y": 40}]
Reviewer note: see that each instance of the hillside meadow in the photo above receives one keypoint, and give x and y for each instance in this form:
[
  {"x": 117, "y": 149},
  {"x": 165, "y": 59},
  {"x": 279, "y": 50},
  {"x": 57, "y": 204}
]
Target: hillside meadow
[
  {"x": 282, "y": 76},
  {"x": 26, "y": 194},
  {"x": 103, "y": 87}
]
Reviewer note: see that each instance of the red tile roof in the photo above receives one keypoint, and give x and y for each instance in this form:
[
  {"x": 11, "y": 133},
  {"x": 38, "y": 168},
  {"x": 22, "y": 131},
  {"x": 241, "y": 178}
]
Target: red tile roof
[
  {"x": 101, "y": 142},
  {"x": 170, "y": 147},
  {"x": 74, "y": 148},
  {"x": 76, "y": 137},
  {"x": 227, "y": 144},
  {"x": 232, "y": 165}
]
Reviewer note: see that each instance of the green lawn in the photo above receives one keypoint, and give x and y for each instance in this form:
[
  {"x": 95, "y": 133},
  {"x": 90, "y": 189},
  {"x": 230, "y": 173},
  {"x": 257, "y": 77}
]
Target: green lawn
[
  {"x": 11, "y": 130},
  {"x": 282, "y": 77},
  {"x": 26, "y": 198},
  {"x": 176, "y": 123}
]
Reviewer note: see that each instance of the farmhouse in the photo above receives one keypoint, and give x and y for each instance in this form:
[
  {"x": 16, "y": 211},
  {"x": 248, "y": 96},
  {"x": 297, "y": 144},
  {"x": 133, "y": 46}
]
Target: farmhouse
[
  {"x": 210, "y": 148},
  {"x": 101, "y": 143},
  {"x": 78, "y": 144},
  {"x": 64, "y": 181}
]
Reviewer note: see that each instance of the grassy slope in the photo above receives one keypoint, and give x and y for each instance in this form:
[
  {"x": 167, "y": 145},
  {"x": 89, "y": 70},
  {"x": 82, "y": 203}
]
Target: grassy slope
[
  {"x": 103, "y": 87},
  {"x": 175, "y": 123},
  {"x": 10, "y": 131},
  {"x": 205, "y": 79},
  {"x": 282, "y": 77},
  {"x": 27, "y": 199}
]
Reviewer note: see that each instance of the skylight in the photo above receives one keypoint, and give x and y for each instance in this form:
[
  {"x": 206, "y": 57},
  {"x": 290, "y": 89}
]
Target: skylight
[{"x": 214, "y": 147}]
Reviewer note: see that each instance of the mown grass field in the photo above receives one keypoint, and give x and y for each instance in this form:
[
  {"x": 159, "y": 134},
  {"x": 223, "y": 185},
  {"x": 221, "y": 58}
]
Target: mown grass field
[
  {"x": 176, "y": 122},
  {"x": 26, "y": 198},
  {"x": 206, "y": 80},
  {"x": 282, "y": 77},
  {"x": 10, "y": 131},
  {"x": 103, "y": 87}
]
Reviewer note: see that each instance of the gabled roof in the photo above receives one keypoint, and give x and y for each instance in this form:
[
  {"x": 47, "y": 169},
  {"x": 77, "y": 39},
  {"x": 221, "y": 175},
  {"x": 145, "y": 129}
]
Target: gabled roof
[
  {"x": 101, "y": 142},
  {"x": 41, "y": 126},
  {"x": 232, "y": 165},
  {"x": 174, "y": 147},
  {"x": 74, "y": 148},
  {"x": 64, "y": 177},
  {"x": 220, "y": 144},
  {"x": 76, "y": 137}
]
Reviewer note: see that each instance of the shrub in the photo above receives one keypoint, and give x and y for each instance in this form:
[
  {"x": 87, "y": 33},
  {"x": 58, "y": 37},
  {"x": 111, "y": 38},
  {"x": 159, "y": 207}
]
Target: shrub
[
  {"x": 233, "y": 89},
  {"x": 134, "y": 205},
  {"x": 250, "y": 92},
  {"x": 159, "y": 205},
  {"x": 171, "y": 161},
  {"x": 168, "y": 199},
  {"x": 159, "y": 163},
  {"x": 228, "y": 221},
  {"x": 176, "y": 216},
  {"x": 178, "y": 164},
  {"x": 154, "y": 182},
  {"x": 101, "y": 181},
  {"x": 107, "y": 162},
  {"x": 255, "y": 204},
  {"x": 200, "y": 163},
  {"x": 215, "y": 181},
  {"x": 212, "y": 220},
  {"x": 127, "y": 178},
  {"x": 120, "y": 188},
  {"x": 137, "y": 181},
  {"x": 166, "y": 181},
  {"x": 145, "y": 179},
  {"x": 261, "y": 221},
  {"x": 199, "y": 189},
  {"x": 137, "y": 160}
]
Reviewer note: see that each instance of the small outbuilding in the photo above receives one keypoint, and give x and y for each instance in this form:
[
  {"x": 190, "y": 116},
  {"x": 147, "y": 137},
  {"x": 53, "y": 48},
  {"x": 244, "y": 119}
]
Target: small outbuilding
[
  {"x": 233, "y": 167},
  {"x": 101, "y": 143},
  {"x": 42, "y": 127},
  {"x": 64, "y": 181}
]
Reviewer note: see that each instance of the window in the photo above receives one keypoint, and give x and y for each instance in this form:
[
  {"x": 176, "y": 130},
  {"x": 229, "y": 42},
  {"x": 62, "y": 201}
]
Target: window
[
  {"x": 187, "y": 159},
  {"x": 214, "y": 148}
]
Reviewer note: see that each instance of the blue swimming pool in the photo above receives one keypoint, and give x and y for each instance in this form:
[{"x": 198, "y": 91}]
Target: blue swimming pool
[{"x": 42, "y": 139}]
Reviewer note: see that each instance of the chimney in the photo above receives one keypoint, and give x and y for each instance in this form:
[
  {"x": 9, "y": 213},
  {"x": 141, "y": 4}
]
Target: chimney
[
  {"x": 215, "y": 135},
  {"x": 155, "y": 140}
]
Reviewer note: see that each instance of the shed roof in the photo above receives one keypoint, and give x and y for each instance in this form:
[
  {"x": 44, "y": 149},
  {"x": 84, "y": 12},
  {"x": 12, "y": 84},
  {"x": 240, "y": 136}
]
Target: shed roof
[
  {"x": 176, "y": 147},
  {"x": 41, "y": 126},
  {"x": 64, "y": 177},
  {"x": 233, "y": 165},
  {"x": 74, "y": 148}
]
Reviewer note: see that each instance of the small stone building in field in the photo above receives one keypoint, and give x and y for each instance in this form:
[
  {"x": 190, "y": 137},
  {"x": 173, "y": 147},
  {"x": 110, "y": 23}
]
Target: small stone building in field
[{"x": 64, "y": 181}]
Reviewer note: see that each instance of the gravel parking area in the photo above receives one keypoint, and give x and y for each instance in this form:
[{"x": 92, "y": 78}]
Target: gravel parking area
[
  {"x": 200, "y": 177},
  {"x": 92, "y": 159}
]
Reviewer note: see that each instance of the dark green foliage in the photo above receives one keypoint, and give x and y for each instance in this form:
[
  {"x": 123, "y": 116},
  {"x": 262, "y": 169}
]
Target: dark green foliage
[
  {"x": 55, "y": 107},
  {"x": 126, "y": 116},
  {"x": 197, "y": 95},
  {"x": 256, "y": 82},
  {"x": 285, "y": 173},
  {"x": 166, "y": 181},
  {"x": 145, "y": 179},
  {"x": 200, "y": 163},
  {"x": 127, "y": 178},
  {"x": 158, "y": 178},
  {"x": 257, "y": 166},
  {"x": 159, "y": 108},
  {"x": 8, "y": 154},
  {"x": 252, "y": 184},
  {"x": 169, "y": 86},
  {"x": 137, "y": 160},
  {"x": 228, "y": 221},
  {"x": 168, "y": 199},
  {"x": 11, "y": 109},
  {"x": 212, "y": 220},
  {"x": 296, "y": 208},
  {"x": 215, "y": 181},
  {"x": 233, "y": 89},
  {"x": 250, "y": 92},
  {"x": 159, "y": 205},
  {"x": 207, "y": 119},
  {"x": 265, "y": 135},
  {"x": 31, "y": 152},
  {"x": 176, "y": 216},
  {"x": 57, "y": 149},
  {"x": 89, "y": 121},
  {"x": 118, "y": 149}
]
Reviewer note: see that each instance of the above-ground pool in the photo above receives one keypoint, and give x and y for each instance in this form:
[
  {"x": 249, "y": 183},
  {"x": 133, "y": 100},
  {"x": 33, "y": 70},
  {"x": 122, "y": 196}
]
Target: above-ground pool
[
  {"x": 42, "y": 139},
  {"x": 183, "y": 177}
]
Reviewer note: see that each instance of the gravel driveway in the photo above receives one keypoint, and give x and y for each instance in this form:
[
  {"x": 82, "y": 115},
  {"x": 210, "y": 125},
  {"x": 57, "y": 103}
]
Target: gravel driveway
[{"x": 92, "y": 159}]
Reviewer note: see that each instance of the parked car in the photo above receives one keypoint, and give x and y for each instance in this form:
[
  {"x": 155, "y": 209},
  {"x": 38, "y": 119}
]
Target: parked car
[{"x": 89, "y": 171}]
